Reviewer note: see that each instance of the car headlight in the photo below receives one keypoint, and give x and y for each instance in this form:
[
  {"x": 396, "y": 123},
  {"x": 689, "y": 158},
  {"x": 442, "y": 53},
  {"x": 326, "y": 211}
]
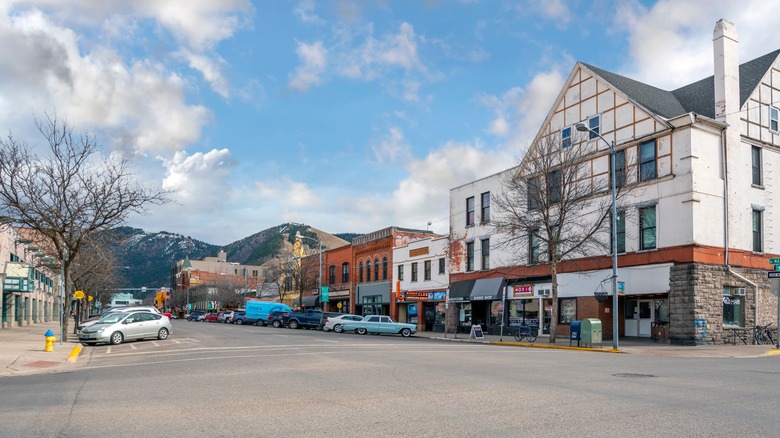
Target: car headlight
[{"x": 100, "y": 330}]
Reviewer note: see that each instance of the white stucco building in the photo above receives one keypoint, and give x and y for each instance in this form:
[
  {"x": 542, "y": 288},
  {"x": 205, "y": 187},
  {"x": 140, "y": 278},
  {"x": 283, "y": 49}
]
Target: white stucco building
[
  {"x": 421, "y": 278},
  {"x": 695, "y": 233}
]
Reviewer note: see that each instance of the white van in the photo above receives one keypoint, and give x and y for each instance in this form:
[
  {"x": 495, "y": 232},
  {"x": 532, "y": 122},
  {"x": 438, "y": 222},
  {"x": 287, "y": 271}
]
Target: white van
[{"x": 257, "y": 311}]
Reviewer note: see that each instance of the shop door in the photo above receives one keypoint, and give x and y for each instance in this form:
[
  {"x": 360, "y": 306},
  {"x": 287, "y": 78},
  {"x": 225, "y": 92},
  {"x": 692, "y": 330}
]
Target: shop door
[{"x": 639, "y": 318}]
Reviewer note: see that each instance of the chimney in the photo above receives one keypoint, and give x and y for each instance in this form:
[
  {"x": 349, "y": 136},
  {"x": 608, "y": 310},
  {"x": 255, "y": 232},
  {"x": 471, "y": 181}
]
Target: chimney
[{"x": 725, "y": 44}]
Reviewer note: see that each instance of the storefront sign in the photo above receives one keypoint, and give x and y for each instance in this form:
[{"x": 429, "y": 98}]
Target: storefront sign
[
  {"x": 339, "y": 294},
  {"x": 523, "y": 290},
  {"x": 436, "y": 296},
  {"x": 416, "y": 296},
  {"x": 732, "y": 301}
]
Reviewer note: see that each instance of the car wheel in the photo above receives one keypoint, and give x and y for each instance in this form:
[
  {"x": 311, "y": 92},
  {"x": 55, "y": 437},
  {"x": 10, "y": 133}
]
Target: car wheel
[
  {"x": 337, "y": 328},
  {"x": 276, "y": 323},
  {"x": 239, "y": 321},
  {"x": 361, "y": 331},
  {"x": 406, "y": 332},
  {"x": 117, "y": 338},
  {"x": 162, "y": 334},
  {"x": 292, "y": 324}
]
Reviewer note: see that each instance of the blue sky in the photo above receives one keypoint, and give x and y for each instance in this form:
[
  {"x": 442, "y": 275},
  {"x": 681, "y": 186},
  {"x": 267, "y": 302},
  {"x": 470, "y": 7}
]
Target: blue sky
[{"x": 348, "y": 116}]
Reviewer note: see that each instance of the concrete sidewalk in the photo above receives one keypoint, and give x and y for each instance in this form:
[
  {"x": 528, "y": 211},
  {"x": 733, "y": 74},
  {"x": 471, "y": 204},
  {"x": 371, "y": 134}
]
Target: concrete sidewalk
[
  {"x": 22, "y": 350},
  {"x": 639, "y": 346}
]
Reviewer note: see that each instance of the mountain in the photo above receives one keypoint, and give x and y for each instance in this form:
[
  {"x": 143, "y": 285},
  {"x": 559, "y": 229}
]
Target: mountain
[{"x": 148, "y": 257}]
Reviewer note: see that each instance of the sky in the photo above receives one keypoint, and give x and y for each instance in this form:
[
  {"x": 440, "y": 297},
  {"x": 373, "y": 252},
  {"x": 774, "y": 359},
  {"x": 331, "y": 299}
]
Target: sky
[{"x": 348, "y": 116}]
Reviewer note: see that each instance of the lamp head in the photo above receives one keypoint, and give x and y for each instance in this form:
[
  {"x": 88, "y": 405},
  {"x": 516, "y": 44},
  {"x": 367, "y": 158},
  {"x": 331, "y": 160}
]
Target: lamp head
[{"x": 581, "y": 127}]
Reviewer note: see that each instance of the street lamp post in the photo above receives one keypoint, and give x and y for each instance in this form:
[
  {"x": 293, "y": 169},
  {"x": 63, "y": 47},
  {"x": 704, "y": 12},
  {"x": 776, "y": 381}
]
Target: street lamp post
[
  {"x": 319, "y": 276},
  {"x": 615, "y": 327}
]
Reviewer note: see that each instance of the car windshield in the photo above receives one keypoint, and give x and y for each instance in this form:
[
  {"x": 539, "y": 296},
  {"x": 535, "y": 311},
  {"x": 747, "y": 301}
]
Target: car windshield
[{"x": 111, "y": 318}]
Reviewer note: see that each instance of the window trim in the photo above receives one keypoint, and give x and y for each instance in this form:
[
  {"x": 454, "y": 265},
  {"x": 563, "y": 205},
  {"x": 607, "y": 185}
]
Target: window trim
[
  {"x": 642, "y": 244},
  {"x": 485, "y": 255},
  {"x": 534, "y": 247},
  {"x": 757, "y": 235},
  {"x": 643, "y": 162},
  {"x": 414, "y": 272},
  {"x": 484, "y": 213},
  {"x": 594, "y": 131},
  {"x": 470, "y": 211},
  {"x": 756, "y": 162},
  {"x": 566, "y": 137},
  {"x": 620, "y": 168},
  {"x": 442, "y": 266},
  {"x": 775, "y": 119},
  {"x": 401, "y": 272},
  {"x": 427, "y": 268},
  {"x": 470, "y": 256}
]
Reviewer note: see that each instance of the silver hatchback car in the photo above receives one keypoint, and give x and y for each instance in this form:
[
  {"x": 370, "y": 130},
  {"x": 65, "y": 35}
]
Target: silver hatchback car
[{"x": 115, "y": 328}]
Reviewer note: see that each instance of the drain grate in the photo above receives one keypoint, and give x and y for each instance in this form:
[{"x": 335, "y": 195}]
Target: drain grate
[{"x": 634, "y": 375}]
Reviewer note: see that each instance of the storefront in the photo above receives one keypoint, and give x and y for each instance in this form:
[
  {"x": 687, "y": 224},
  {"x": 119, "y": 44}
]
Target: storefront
[
  {"x": 426, "y": 309},
  {"x": 373, "y": 299},
  {"x": 338, "y": 301},
  {"x": 644, "y": 313},
  {"x": 528, "y": 305},
  {"x": 486, "y": 301}
]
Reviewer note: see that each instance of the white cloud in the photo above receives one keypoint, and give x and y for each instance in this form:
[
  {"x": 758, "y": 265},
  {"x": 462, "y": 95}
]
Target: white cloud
[
  {"x": 314, "y": 59},
  {"x": 211, "y": 71},
  {"x": 199, "y": 181},
  {"x": 305, "y": 10},
  {"x": 392, "y": 148},
  {"x": 287, "y": 193},
  {"x": 678, "y": 36}
]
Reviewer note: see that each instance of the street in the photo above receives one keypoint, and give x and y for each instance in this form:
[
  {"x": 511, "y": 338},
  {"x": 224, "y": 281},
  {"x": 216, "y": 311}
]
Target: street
[{"x": 229, "y": 380}]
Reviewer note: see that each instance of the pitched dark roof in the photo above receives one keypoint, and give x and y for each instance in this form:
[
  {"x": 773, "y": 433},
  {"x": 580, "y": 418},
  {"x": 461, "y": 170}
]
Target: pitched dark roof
[{"x": 698, "y": 97}]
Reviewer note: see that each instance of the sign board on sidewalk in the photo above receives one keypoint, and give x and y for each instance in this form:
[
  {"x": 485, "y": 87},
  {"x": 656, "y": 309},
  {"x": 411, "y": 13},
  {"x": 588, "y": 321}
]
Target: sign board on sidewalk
[{"x": 476, "y": 332}]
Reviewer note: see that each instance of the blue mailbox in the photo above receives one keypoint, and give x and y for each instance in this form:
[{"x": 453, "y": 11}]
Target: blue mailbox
[{"x": 575, "y": 332}]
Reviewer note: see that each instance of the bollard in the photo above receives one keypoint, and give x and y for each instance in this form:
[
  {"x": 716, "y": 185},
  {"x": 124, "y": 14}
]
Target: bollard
[{"x": 50, "y": 340}]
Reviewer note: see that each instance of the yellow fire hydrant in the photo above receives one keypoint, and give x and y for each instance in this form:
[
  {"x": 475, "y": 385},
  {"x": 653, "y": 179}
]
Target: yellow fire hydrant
[{"x": 50, "y": 340}]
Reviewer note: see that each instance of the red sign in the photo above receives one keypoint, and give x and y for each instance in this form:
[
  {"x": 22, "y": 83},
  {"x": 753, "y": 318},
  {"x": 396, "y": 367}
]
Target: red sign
[
  {"x": 416, "y": 296},
  {"x": 523, "y": 290}
]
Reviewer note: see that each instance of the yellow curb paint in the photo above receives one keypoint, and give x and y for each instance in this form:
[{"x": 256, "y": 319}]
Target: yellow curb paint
[
  {"x": 556, "y": 347},
  {"x": 772, "y": 352},
  {"x": 74, "y": 354}
]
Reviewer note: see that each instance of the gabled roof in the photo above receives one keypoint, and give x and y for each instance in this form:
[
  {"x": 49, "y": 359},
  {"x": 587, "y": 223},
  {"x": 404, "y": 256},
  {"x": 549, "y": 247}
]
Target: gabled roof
[{"x": 698, "y": 97}]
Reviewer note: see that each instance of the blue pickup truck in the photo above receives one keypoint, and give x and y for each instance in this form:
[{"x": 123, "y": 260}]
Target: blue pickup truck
[{"x": 307, "y": 319}]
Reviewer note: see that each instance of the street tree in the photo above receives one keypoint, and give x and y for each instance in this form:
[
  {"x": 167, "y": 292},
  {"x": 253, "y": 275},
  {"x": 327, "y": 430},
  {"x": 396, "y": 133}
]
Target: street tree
[
  {"x": 94, "y": 269},
  {"x": 555, "y": 206},
  {"x": 69, "y": 193}
]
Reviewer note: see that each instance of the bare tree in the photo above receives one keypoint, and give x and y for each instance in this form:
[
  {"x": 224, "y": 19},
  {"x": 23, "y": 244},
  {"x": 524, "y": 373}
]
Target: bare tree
[
  {"x": 553, "y": 207},
  {"x": 71, "y": 193},
  {"x": 94, "y": 268}
]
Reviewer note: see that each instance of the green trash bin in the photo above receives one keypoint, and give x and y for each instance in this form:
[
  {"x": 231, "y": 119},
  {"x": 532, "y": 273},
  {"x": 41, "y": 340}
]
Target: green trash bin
[{"x": 590, "y": 332}]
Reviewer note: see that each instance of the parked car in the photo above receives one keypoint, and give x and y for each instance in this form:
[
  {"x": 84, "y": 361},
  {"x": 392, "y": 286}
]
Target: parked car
[
  {"x": 238, "y": 317},
  {"x": 210, "y": 317},
  {"x": 257, "y": 311},
  {"x": 309, "y": 318},
  {"x": 196, "y": 315},
  {"x": 379, "y": 324},
  {"x": 110, "y": 310},
  {"x": 118, "y": 327},
  {"x": 279, "y": 318},
  {"x": 335, "y": 322},
  {"x": 224, "y": 316}
]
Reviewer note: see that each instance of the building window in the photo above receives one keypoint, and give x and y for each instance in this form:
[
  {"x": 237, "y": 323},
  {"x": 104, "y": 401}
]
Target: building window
[
  {"x": 332, "y": 274},
  {"x": 566, "y": 137},
  {"x": 441, "y": 265},
  {"x": 647, "y": 161},
  {"x": 384, "y": 268},
  {"x": 485, "y": 208},
  {"x": 414, "y": 271},
  {"x": 757, "y": 231},
  {"x": 533, "y": 193},
  {"x": 469, "y": 256},
  {"x": 376, "y": 269},
  {"x": 647, "y": 231},
  {"x": 594, "y": 123},
  {"x": 733, "y": 308},
  {"x": 485, "y": 254},
  {"x": 567, "y": 310},
  {"x": 345, "y": 272},
  {"x": 401, "y": 272},
  {"x": 620, "y": 168},
  {"x": 554, "y": 187},
  {"x": 368, "y": 271},
  {"x": 755, "y": 153},
  {"x": 470, "y": 211},
  {"x": 427, "y": 273},
  {"x": 774, "y": 119},
  {"x": 621, "y": 232},
  {"x": 533, "y": 247}
]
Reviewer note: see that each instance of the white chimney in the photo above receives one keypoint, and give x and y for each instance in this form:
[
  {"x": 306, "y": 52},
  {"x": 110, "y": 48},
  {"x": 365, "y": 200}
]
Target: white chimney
[{"x": 726, "y": 50}]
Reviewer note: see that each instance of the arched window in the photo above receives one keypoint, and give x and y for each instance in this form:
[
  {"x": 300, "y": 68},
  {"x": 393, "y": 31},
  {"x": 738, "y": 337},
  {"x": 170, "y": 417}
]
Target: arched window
[
  {"x": 384, "y": 268},
  {"x": 360, "y": 270},
  {"x": 345, "y": 272},
  {"x": 376, "y": 269},
  {"x": 368, "y": 270}
]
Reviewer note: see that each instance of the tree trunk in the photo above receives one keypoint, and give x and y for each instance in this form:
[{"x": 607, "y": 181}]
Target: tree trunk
[{"x": 554, "y": 311}]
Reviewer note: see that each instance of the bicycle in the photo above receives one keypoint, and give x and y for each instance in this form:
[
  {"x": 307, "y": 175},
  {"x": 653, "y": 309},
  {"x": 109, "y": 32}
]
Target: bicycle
[
  {"x": 528, "y": 332},
  {"x": 762, "y": 335}
]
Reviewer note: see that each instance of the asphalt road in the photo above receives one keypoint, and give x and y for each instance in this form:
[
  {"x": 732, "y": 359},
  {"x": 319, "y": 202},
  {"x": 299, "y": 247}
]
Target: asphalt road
[{"x": 227, "y": 380}]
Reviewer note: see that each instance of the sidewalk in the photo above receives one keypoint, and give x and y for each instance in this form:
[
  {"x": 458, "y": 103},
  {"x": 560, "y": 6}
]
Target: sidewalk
[
  {"x": 638, "y": 346},
  {"x": 22, "y": 350}
]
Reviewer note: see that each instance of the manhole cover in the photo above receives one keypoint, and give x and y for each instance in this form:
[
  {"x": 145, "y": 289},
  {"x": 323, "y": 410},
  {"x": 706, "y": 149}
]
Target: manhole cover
[{"x": 634, "y": 375}]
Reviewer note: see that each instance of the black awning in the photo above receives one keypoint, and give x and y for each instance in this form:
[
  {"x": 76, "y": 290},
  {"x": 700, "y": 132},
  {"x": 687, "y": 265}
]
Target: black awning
[
  {"x": 460, "y": 291},
  {"x": 311, "y": 301},
  {"x": 488, "y": 289}
]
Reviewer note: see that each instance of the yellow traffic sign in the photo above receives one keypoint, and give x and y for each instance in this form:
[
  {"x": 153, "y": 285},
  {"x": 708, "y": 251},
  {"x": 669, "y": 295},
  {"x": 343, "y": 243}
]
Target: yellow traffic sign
[
  {"x": 89, "y": 297},
  {"x": 79, "y": 294}
]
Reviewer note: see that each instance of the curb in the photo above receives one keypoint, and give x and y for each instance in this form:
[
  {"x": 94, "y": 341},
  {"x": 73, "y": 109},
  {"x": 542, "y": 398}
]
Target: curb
[
  {"x": 772, "y": 353},
  {"x": 554, "y": 347},
  {"x": 74, "y": 354}
]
